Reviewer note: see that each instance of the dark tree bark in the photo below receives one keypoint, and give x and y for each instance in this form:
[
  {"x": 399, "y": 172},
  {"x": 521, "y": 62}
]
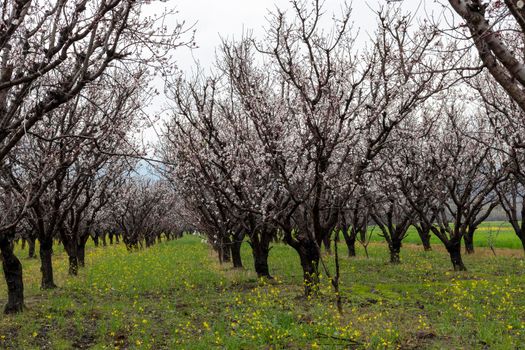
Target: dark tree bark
[
  {"x": 225, "y": 250},
  {"x": 350, "y": 239},
  {"x": 13, "y": 277},
  {"x": 309, "y": 256},
  {"x": 395, "y": 249},
  {"x": 260, "y": 259},
  {"x": 71, "y": 249},
  {"x": 236, "y": 253},
  {"x": 81, "y": 253},
  {"x": 31, "y": 250},
  {"x": 424, "y": 235},
  {"x": 469, "y": 240},
  {"x": 95, "y": 239},
  {"x": 73, "y": 265},
  {"x": 454, "y": 250},
  {"x": 260, "y": 251},
  {"x": 46, "y": 263},
  {"x": 327, "y": 244}
]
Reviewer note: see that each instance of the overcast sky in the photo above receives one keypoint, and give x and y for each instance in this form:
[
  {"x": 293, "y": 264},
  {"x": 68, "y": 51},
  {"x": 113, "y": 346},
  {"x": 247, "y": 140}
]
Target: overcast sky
[
  {"x": 229, "y": 18},
  {"x": 214, "y": 19}
]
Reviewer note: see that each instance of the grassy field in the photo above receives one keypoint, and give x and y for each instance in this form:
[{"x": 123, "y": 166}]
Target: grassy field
[
  {"x": 176, "y": 296},
  {"x": 499, "y": 233}
]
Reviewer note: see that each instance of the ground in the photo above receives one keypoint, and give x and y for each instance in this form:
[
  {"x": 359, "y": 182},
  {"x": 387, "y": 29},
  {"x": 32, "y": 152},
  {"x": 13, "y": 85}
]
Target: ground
[{"x": 176, "y": 295}]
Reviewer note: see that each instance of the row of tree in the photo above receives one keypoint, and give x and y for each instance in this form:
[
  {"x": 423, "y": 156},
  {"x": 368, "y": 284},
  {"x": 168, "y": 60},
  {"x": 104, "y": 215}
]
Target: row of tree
[
  {"x": 305, "y": 134},
  {"x": 74, "y": 79}
]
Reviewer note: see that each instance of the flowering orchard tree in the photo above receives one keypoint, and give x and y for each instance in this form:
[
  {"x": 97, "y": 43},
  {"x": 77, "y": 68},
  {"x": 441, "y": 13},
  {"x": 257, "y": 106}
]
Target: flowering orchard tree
[
  {"x": 353, "y": 221},
  {"x": 50, "y": 51},
  {"x": 506, "y": 124},
  {"x": 209, "y": 141},
  {"x": 390, "y": 211},
  {"x": 450, "y": 175},
  {"x": 496, "y": 29},
  {"x": 139, "y": 209},
  {"x": 290, "y": 127}
]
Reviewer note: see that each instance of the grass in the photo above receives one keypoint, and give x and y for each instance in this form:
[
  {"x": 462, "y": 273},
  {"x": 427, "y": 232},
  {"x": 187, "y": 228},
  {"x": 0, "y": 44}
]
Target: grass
[
  {"x": 499, "y": 233},
  {"x": 175, "y": 295}
]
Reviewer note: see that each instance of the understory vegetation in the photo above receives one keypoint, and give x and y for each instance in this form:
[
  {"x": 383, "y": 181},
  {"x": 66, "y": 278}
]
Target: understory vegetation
[{"x": 176, "y": 295}]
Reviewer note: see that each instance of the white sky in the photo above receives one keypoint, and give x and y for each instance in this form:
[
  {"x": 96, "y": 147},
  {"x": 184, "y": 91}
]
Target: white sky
[
  {"x": 214, "y": 19},
  {"x": 229, "y": 18}
]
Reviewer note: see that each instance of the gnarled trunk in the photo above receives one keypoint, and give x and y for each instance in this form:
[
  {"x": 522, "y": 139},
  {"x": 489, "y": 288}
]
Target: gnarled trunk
[
  {"x": 309, "y": 256},
  {"x": 71, "y": 249},
  {"x": 236, "y": 253},
  {"x": 73, "y": 265},
  {"x": 350, "y": 244},
  {"x": 327, "y": 244},
  {"x": 454, "y": 250},
  {"x": 424, "y": 235},
  {"x": 395, "y": 248},
  {"x": 469, "y": 241},
  {"x": 46, "y": 263},
  {"x": 81, "y": 253},
  {"x": 225, "y": 250},
  {"x": 13, "y": 277},
  {"x": 350, "y": 241},
  {"x": 260, "y": 251},
  {"x": 31, "y": 250}
]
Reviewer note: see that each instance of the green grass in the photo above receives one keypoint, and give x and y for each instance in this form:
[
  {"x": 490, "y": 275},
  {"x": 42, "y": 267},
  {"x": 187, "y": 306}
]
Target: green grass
[
  {"x": 176, "y": 296},
  {"x": 499, "y": 233}
]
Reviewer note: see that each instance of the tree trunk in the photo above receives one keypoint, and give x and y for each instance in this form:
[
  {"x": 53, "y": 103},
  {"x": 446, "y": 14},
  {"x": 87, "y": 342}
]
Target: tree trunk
[
  {"x": 73, "y": 265},
  {"x": 426, "y": 244},
  {"x": 236, "y": 254},
  {"x": 395, "y": 249},
  {"x": 469, "y": 241},
  {"x": 521, "y": 235},
  {"x": 46, "y": 263},
  {"x": 226, "y": 249},
  {"x": 71, "y": 249},
  {"x": 260, "y": 253},
  {"x": 350, "y": 242},
  {"x": 424, "y": 235},
  {"x": 454, "y": 250},
  {"x": 81, "y": 254},
  {"x": 13, "y": 277},
  {"x": 309, "y": 255},
  {"x": 327, "y": 244},
  {"x": 31, "y": 250}
]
